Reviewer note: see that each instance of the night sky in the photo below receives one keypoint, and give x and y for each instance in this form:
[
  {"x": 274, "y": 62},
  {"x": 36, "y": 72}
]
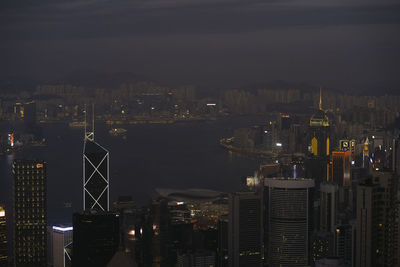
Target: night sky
[{"x": 217, "y": 43}]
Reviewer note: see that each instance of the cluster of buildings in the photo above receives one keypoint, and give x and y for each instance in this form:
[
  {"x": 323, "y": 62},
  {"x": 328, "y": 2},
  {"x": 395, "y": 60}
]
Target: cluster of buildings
[
  {"x": 329, "y": 200},
  {"x": 130, "y": 102}
]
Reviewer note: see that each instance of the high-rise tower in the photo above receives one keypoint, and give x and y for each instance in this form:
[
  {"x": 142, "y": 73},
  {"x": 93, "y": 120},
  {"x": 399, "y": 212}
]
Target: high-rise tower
[
  {"x": 95, "y": 173},
  {"x": 245, "y": 230},
  {"x": 288, "y": 221},
  {"x": 30, "y": 213}
]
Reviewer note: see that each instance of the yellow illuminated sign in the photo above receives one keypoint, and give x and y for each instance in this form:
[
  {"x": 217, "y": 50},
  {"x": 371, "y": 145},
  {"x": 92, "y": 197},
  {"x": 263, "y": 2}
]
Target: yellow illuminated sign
[{"x": 39, "y": 165}]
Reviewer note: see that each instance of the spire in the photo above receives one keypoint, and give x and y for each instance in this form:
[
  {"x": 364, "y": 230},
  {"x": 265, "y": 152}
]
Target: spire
[
  {"x": 89, "y": 135},
  {"x": 320, "y": 98}
]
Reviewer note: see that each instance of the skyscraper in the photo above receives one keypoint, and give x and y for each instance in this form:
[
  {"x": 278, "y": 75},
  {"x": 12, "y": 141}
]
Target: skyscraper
[
  {"x": 3, "y": 238},
  {"x": 377, "y": 232},
  {"x": 96, "y": 238},
  {"x": 328, "y": 207},
  {"x": 30, "y": 213},
  {"x": 341, "y": 168},
  {"x": 366, "y": 221},
  {"x": 319, "y": 132},
  {"x": 396, "y": 156},
  {"x": 62, "y": 238},
  {"x": 288, "y": 221},
  {"x": 245, "y": 230},
  {"x": 95, "y": 174},
  {"x": 222, "y": 250}
]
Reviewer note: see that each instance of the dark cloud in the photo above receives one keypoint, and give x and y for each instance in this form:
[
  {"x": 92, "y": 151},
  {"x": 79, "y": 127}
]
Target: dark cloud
[{"x": 206, "y": 42}]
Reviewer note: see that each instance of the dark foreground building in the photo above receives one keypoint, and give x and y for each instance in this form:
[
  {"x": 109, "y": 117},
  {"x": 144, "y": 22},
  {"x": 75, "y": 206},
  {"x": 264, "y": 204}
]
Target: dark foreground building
[
  {"x": 96, "y": 238},
  {"x": 288, "y": 221},
  {"x": 30, "y": 213}
]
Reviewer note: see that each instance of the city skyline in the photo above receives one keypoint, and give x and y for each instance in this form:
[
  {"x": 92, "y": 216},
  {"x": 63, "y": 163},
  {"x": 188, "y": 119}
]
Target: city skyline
[{"x": 200, "y": 133}]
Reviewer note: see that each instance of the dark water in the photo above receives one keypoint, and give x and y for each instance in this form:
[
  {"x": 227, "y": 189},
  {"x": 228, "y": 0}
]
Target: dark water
[{"x": 182, "y": 155}]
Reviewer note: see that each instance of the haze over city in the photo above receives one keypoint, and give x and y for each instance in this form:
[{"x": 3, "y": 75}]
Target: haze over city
[
  {"x": 224, "y": 43},
  {"x": 200, "y": 133}
]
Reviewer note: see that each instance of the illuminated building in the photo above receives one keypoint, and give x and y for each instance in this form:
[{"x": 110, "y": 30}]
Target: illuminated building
[
  {"x": 245, "y": 230},
  {"x": 62, "y": 238},
  {"x": 288, "y": 222},
  {"x": 321, "y": 245},
  {"x": 95, "y": 174},
  {"x": 128, "y": 212},
  {"x": 96, "y": 238},
  {"x": 319, "y": 132},
  {"x": 348, "y": 145},
  {"x": 159, "y": 214},
  {"x": 10, "y": 139},
  {"x": 319, "y": 137},
  {"x": 365, "y": 162},
  {"x": 30, "y": 213},
  {"x": 3, "y": 238},
  {"x": 341, "y": 168}
]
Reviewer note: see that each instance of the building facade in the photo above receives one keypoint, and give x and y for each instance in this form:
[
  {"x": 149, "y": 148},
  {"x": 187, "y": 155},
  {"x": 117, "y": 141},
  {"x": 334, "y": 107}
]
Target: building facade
[
  {"x": 95, "y": 176},
  {"x": 288, "y": 221},
  {"x": 62, "y": 238},
  {"x": 30, "y": 213},
  {"x": 96, "y": 238},
  {"x": 245, "y": 230}
]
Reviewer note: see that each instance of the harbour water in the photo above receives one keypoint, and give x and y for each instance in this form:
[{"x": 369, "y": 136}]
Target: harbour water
[{"x": 180, "y": 155}]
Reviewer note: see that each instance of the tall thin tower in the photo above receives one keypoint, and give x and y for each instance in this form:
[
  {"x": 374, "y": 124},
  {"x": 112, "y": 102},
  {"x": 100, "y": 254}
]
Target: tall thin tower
[{"x": 96, "y": 180}]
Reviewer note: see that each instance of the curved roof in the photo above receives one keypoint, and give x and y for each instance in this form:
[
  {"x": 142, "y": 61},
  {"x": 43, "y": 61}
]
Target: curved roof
[
  {"x": 192, "y": 194},
  {"x": 319, "y": 119}
]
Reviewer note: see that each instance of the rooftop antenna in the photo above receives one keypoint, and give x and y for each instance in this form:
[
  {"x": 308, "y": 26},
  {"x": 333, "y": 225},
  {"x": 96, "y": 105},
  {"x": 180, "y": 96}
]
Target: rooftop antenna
[
  {"x": 93, "y": 119},
  {"x": 320, "y": 98},
  {"x": 85, "y": 120},
  {"x": 89, "y": 135}
]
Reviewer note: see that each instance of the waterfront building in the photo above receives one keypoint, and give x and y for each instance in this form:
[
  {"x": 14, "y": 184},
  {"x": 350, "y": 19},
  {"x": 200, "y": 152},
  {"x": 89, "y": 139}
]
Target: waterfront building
[
  {"x": 288, "y": 221},
  {"x": 29, "y": 115},
  {"x": 61, "y": 239},
  {"x": 30, "y": 213},
  {"x": 95, "y": 238},
  {"x": 245, "y": 230},
  {"x": 3, "y": 238},
  {"x": 96, "y": 183}
]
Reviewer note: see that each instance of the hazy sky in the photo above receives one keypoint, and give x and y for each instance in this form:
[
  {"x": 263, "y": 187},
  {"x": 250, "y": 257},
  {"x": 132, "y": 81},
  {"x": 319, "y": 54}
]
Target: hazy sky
[{"x": 337, "y": 43}]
